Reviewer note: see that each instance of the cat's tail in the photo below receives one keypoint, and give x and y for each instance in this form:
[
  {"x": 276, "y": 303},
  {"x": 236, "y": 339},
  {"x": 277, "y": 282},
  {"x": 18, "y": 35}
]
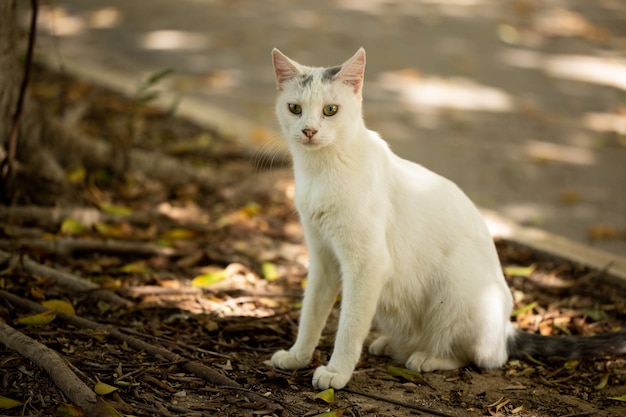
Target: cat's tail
[{"x": 521, "y": 344}]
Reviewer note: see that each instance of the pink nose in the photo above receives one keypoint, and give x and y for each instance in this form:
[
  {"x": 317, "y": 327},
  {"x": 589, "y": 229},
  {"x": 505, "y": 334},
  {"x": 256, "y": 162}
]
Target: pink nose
[{"x": 309, "y": 133}]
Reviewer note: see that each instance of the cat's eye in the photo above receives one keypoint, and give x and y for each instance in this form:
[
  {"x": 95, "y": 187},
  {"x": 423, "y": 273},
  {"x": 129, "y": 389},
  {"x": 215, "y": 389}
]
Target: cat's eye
[
  {"x": 330, "y": 110},
  {"x": 295, "y": 108}
]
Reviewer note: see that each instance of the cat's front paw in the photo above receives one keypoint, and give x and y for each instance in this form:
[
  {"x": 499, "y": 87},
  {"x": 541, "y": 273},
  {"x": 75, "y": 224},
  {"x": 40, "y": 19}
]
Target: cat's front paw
[
  {"x": 284, "y": 359},
  {"x": 325, "y": 377}
]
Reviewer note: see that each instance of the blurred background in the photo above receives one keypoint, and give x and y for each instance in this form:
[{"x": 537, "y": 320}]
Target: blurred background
[{"x": 520, "y": 102}]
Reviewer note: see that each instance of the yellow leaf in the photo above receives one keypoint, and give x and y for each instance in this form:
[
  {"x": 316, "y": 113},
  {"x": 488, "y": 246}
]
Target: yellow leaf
[
  {"x": 61, "y": 306},
  {"x": 178, "y": 234},
  {"x": 77, "y": 176},
  {"x": 270, "y": 272},
  {"x": 251, "y": 209},
  {"x": 103, "y": 389},
  {"x": 106, "y": 410},
  {"x": 328, "y": 396},
  {"x": 209, "y": 279},
  {"x": 603, "y": 381},
  {"x": 37, "y": 319},
  {"x": 69, "y": 410},
  {"x": 620, "y": 398},
  {"x": 72, "y": 227},
  {"x": 519, "y": 271},
  {"x": 6, "y": 403},
  {"x": 116, "y": 210},
  {"x": 137, "y": 267}
]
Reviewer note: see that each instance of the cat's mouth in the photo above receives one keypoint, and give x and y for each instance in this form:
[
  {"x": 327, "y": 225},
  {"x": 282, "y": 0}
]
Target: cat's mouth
[{"x": 310, "y": 143}]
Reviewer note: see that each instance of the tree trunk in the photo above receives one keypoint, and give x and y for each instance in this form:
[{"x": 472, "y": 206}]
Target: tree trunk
[{"x": 37, "y": 167}]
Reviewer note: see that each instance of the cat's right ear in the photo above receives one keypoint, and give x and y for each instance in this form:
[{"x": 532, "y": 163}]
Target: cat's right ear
[{"x": 284, "y": 68}]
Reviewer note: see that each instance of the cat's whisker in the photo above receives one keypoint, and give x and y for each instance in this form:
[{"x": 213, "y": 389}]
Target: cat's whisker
[{"x": 265, "y": 156}]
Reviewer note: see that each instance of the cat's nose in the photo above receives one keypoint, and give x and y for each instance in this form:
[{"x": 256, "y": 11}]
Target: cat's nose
[{"x": 309, "y": 133}]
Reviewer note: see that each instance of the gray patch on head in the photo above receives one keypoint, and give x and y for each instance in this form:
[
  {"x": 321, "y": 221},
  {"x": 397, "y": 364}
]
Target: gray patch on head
[
  {"x": 306, "y": 80},
  {"x": 330, "y": 73}
]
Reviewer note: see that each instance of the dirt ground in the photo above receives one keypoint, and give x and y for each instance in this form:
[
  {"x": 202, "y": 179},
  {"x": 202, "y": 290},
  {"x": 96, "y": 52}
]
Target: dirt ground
[{"x": 215, "y": 275}]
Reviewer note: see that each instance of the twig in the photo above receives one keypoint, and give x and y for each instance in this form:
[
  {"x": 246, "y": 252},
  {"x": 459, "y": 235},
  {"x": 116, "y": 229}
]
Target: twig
[
  {"x": 8, "y": 164},
  {"x": 195, "y": 367},
  {"x": 52, "y": 363},
  {"x": 88, "y": 216},
  {"x": 69, "y": 246},
  {"x": 65, "y": 279},
  {"x": 399, "y": 403}
]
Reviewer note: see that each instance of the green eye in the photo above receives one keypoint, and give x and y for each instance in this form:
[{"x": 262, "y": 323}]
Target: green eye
[
  {"x": 330, "y": 110},
  {"x": 295, "y": 108}
]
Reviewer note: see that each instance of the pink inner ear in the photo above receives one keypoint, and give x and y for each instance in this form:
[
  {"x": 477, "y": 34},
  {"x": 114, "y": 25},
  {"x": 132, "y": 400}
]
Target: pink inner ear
[
  {"x": 283, "y": 67},
  {"x": 353, "y": 71}
]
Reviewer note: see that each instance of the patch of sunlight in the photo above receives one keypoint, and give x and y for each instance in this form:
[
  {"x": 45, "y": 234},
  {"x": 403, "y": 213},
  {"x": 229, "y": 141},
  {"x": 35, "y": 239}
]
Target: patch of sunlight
[
  {"x": 606, "y": 122},
  {"x": 609, "y": 71},
  {"x": 168, "y": 40},
  {"x": 446, "y": 93},
  {"x": 553, "y": 152},
  {"x": 598, "y": 70},
  {"x": 378, "y": 6},
  {"x": 57, "y": 21},
  {"x": 105, "y": 18}
]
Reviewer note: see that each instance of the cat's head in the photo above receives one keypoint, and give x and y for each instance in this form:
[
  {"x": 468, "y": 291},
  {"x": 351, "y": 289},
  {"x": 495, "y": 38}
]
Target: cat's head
[{"x": 317, "y": 107}]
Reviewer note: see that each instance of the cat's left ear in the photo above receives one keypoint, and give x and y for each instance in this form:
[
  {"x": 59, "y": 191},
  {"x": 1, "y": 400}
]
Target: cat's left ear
[
  {"x": 284, "y": 68},
  {"x": 353, "y": 71}
]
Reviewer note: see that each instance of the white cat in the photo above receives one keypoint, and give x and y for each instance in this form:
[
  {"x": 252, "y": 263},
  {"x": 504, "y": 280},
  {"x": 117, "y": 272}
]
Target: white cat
[{"x": 408, "y": 248}]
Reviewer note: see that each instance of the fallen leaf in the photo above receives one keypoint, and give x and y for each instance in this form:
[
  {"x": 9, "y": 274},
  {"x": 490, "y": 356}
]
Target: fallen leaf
[
  {"x": 406, "y": 374},
  {"x": 206, "y": 280},
  {"x": 103, "y": 389},
  {"x": 524, "y": 309},
  {"x": 603, "y": 381},
  {"x": 37, "y": 319},
  {"x": 519, "y": 271},
  {"x": 116, "y": 210},
  {"x": 7, "y": 403},
  {"x": 76, "y": 176},
  {"x": 620, "y": 398},
  {"x": 178, "y": 234},
  {"x": 270, "y": 272},
  {"x": 69, "y": 410},
  {"x": 61, "y": 306},
  {"x": 328, "y": 396},
  {"x": 72, "y": 227}
]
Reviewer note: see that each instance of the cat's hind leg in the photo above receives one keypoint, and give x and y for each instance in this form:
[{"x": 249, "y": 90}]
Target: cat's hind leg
[
  {"x": 381, "y": 346},
  {"x": 423, "y": 362}
]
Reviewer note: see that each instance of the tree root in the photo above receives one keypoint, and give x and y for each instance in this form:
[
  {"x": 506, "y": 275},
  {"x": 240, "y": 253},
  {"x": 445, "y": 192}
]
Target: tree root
[
  {"x": 52, "y": 363},
  {"x": 64, "y": 279},
  {"x": 208, "y": 374}
]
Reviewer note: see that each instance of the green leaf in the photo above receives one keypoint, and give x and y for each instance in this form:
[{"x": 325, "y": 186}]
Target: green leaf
[
  {"x": 519, "y": 271},
  {"x": 77, "y": 176},
  {"x": 206, "y": 280},
  {"x": 116, "y": 210},
  {"x": 328, "y": 396},
  {"x": 7, "y": 403},
  {"x": 270, "y": 272},
  {"x": 336, "y": 413},
  {"x": 157, "y": 76},
  {"x": 406, "y": 374},
  {"x": 40, "y": 319},
  {"x": 524, "y": 309},
  {"x": 72, "y": 227},
  {"x": 620, "y": 398}
]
